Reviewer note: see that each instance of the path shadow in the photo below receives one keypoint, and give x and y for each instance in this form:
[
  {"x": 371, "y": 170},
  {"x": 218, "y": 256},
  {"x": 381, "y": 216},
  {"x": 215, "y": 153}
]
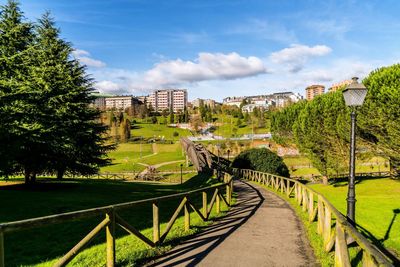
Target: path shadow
[
  {"x": 379, "y": 242},
  {"x": 248, "y": 202}
]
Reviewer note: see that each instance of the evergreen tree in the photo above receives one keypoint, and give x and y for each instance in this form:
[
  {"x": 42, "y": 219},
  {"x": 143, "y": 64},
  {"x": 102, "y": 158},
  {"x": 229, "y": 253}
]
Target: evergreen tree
[
  {"x": 15, "y": 38},
  {"x": 73, "y": 137}
]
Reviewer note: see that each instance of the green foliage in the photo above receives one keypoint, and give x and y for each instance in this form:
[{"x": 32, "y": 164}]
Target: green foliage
[
  {"x": 379, "y": 117},
  {"x": 44, "y": 102},
  {"x": 261, "y": 159},
  {"x": 321, "y": 127}
]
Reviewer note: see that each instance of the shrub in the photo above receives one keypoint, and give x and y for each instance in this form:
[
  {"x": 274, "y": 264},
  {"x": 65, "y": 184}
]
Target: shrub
[
  {"x": 175, "y": 134},
  {"x": 261, "y": 159}
]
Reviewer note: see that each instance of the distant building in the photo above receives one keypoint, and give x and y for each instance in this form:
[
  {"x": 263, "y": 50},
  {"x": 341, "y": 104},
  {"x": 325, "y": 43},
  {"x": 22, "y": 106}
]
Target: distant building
[
  {"x": 339, "y": 85},
  {"x": 120, "y": 102},
  {"x": 100, "y": 103},
  {"x": 233, "y": 101},
  {"x": 170, "y": 99},
  {"x": 284, "y": 98},
  {"x": 314, "y": 90},
  {"x": 207, "y": 102}
]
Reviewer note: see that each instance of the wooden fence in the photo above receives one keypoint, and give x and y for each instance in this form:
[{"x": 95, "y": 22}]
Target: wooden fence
[
  {"x": 331, "y": 224},
  {"x": 112, "y": 219}
]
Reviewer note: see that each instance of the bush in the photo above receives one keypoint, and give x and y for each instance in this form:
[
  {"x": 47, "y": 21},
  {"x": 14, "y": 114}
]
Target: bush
[
  {"x": 175, "y": 134},
  {"x": 261, "y": 159}
]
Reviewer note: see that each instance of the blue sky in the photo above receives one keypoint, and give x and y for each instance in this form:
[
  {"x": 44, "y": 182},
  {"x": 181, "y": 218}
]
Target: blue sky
[{"x": 225, "y": 48}]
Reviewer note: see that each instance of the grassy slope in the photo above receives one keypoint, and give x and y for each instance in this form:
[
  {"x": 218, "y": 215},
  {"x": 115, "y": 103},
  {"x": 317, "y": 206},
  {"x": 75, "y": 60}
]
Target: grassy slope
[
  {"x": 378, "y": 205},
  {"x": 157, "y": 130},
  {"x": 229, "y": 122},
  {"x": 49, "y": 242}
]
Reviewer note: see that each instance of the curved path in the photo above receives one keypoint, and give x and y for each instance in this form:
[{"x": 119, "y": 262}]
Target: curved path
[{"x": 260, "y": 230}]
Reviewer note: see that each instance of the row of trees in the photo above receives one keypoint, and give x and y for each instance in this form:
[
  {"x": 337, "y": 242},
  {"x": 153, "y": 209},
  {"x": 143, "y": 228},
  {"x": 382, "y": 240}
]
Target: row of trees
[
  {"x": 46, "y": 122},
  {"x": 321, "y": 128}
]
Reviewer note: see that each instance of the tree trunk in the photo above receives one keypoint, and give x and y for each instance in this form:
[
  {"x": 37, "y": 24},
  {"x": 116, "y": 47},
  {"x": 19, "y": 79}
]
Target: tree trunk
[
  {"x": 60, "y": 173},
  {"x": 325, "y": 179},
  {"x": 27, "y": 176},
  {"x": 33, "y": 177}
]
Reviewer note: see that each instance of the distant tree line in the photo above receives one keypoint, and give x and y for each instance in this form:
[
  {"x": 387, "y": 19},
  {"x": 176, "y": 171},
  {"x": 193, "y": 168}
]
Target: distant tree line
[
  {"x": 46, "y": 122},
  {"x": 321, "y": 127}
]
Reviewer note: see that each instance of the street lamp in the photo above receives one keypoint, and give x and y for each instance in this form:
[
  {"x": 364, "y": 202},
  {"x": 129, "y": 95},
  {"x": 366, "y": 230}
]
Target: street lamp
[
  {"x": 181, "y": 172},
  {"x": 354, "y": 96}
]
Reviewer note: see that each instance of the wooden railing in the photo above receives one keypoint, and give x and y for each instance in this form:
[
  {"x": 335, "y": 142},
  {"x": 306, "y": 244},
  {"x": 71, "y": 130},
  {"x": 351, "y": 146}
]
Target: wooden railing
[
  {"x": 331, "y": 224},
  {"x": 112, "y": 219}
]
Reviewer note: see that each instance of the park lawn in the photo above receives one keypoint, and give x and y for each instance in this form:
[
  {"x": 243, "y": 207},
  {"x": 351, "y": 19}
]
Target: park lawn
[
  {"x": 377, "y": 208},
  {"x": 229, "y": 123},
  {"x": 176, "y": 167},
  {"x": 126, "y": 156},
  {"x": 147, "y": 130},
  {"x": 296, "y": 161},
  {"x": 165, "y": 153},
  {"x": 41, "y": 246}
]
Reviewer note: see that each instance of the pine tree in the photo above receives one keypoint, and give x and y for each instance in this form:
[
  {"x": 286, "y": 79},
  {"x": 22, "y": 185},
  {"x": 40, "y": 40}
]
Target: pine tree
[
  {"x": 15, "y": 38},
  {"x": 74, "y": 137}
]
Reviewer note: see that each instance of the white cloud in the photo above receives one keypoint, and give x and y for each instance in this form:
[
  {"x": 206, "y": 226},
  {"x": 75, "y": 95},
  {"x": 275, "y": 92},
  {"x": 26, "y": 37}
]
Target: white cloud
[
  {"x": 207, "y": 66},
  {"x": 297, "y": 55},
  {"x": 84, "y": 57}
]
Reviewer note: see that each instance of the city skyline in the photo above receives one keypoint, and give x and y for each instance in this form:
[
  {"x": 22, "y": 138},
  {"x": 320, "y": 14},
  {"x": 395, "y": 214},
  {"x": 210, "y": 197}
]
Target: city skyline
[{"x": 225, "y": 48}]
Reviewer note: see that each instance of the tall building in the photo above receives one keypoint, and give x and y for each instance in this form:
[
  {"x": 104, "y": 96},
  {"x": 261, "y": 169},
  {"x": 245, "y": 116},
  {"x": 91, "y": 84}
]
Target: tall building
[
  {"x": 120, "y": 102},
  {"x": 314, "y": 90},
  {"x": 170, "y": 99},
  {"x": 339, "y": 85}
]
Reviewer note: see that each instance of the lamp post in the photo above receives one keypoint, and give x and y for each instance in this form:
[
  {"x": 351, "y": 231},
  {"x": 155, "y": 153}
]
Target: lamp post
[
  {"x": 228, "y": 153},
  {"x": 181, "y": 172},
  {"x": 354, "y": 96}
]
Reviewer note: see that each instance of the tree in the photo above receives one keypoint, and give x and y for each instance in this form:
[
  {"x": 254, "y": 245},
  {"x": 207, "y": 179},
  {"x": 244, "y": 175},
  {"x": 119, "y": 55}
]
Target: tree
[
  {"x": 15, "y": 39},
  {"x": 171, "y": 117},
  {"x": 379, "y": 117},
  {"x": 71, "y": 138},
  {"x": 261, "y": 159},
  {"x": 154, "y": 119}
]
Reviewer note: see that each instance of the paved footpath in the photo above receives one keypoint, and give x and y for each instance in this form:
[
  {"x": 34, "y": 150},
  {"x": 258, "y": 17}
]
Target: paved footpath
[{"x": 260, "y": 230}]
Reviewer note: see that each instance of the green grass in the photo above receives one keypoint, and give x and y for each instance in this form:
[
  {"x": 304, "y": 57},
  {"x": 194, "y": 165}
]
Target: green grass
[
  {"x": 126, "y": 156},
  {"x": 377, "y": 208},
  {"x": 148, "y": 130},
  {"x": 43, "y": 245},
  {"x": 229, "y": 123}
]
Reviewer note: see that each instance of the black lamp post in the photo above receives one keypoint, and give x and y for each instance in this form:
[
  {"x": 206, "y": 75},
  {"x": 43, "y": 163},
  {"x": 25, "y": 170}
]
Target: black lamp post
[
  {"x": 181, "y": 172},
  {"x": 228, "y": 153},
  {"x": 354, "y": 96}
]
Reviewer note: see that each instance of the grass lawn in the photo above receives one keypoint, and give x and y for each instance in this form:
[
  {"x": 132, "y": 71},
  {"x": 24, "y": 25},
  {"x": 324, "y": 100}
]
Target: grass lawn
[
  {"x": 125, "y": 157},
  {"x": 148, "y": 130},
  {"x": 42, "y": 246},
  {"x": 229, "y": 123},
  {"x": 377, "y": 208}
]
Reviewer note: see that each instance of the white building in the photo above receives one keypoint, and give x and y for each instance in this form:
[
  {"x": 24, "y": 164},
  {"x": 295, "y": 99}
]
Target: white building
[
  {"x": 119, "y": 102},
  {"x": 170, "y": 99}
]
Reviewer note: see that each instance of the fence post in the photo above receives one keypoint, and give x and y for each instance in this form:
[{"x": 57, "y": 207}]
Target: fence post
[
  {"x": 341, "y": 252},
  {"x": 217, "y": 203},
  {"x": 205, "y": 204},
  {"x": 187, "y": 217},
  {"x": 156, "y": 224},
  {"x": 288, "y": 188},
  {"x": 327, "y": 225},
  {"x": 2, "y": 261},
  {"x": 110, "y": 236},
  {"x": 230, "y": 191},
  {"x": 305, "y": 198},
  {"x": 321, "y": 216},
  {"x": 311, "y": 207}
]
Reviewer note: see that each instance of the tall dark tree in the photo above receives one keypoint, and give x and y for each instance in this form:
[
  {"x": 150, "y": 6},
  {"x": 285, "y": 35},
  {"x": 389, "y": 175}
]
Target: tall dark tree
[
  {"x": 72, "y": 138},
  {"x": 15, "y": 38}
]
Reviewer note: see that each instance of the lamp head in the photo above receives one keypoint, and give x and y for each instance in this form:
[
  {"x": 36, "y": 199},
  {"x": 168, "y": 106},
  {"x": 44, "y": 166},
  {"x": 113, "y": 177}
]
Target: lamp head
[{"x": 355, "y": 93}]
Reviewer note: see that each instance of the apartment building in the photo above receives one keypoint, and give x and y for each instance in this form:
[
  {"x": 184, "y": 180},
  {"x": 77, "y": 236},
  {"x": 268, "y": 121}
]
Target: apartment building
[
  {"x": 339, "y": 85},
  {"x": 314, "y": 90},
  {"x": 170, "y": 99},
  {"x": 120, "y": 102}
]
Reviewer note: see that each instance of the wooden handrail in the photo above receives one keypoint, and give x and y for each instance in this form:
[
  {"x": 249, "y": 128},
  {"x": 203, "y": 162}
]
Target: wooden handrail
[
  {"x": 112, "y": 219},
  {"x": 321, "y": 209}
]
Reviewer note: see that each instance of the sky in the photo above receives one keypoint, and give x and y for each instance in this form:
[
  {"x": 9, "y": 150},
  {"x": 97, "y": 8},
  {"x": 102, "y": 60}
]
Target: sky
[{"x": 221, "y": 48}]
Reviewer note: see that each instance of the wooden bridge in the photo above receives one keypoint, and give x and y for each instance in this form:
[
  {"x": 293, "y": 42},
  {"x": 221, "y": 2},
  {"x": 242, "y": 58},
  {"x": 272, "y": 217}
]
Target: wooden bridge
[{"x": 260, "y": 230}]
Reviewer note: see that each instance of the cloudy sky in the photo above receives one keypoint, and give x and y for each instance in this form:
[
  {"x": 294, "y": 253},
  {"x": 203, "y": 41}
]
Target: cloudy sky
[{"x": 219, "y": 48}]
